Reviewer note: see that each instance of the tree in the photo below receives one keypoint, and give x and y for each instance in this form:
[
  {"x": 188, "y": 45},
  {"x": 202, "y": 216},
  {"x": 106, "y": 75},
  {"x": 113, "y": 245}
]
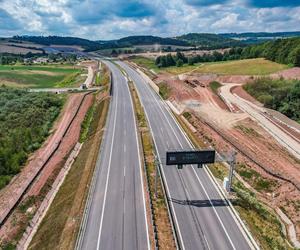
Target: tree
[
  {"x": 191, "y": 60},
  {"x": 170, "y": 60},
  {"x": 296, "y": 59},
  {"x": 157, "y": 60},
  {"x": 163, "y": 61},
  {"x": 179, "y": 63},
  {"x": 180, "y": 56}
]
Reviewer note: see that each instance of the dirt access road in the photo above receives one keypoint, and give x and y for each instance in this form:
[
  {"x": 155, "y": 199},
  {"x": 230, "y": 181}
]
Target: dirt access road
[{"x": 287, "y": 140}]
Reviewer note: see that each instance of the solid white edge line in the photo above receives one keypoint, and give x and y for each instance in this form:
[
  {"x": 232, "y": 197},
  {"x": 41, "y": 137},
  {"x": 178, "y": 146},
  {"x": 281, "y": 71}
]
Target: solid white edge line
[
  {"x": 249, "y": 237},
  {"x": 167, "y": 187},
  {"x": 107, "y": 176},
  {"x": 140, "y": 166},
  {"x": 225, "y": 230}
]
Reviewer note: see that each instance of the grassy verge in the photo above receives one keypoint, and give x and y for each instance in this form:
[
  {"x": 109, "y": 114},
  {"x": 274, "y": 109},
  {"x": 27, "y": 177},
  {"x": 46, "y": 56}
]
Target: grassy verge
[
  {"x": 103, "y": 76},
  {"x": 214, "y": 86},
  {"x": 160, "y": 213},
  {"x": 85, "y": 125},
  {"x": 61, "y": 224},
  {"x": 164, "y": 90},
  {"x": 145, "y": 62},
  {"x": 261, "y": 221}
]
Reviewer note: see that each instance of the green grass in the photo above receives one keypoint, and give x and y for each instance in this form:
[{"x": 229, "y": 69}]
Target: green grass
[
  {"x": 145, "y": 62},
  {"x": 257, "y": 66},
  {"x": 215, "y": 86},
  {"x": 164, "y": 90},
  {"x": 39, "y": 76}
]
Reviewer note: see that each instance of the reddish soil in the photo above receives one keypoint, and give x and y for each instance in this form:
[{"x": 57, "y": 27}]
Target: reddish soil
[
  {"x": 47, "y": 176},
  {"x": 182, "y": 91},
  {"x": 65, "y": 147},
  {"x": 293, "y": 73},
  {"x": 238, "y": 90},
  {"x": 264, "y": 149}
]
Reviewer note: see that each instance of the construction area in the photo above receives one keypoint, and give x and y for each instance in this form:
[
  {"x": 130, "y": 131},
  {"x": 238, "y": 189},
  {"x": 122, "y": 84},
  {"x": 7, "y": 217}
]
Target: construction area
[{"x": 223, "y": 115}]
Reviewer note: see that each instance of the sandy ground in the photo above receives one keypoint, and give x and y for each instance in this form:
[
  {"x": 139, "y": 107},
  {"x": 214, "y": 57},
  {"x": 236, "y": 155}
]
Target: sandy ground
[{"x": 35, "y": 162}]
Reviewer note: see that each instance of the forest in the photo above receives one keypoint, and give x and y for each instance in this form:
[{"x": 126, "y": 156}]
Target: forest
[
  {"x": 25, "y": 121},
  {"x": 281, "y": 95}
]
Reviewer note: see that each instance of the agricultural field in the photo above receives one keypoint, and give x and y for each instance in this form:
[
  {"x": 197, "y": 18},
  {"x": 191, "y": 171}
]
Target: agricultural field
[
  {"x": 40, "y": 76},
  {"x": 257, "y": 66}
]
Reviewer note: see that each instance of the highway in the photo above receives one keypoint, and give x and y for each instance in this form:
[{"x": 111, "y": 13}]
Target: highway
[
  {"x": 202, "y": 217},
  {"x": 116, "y": 217}
]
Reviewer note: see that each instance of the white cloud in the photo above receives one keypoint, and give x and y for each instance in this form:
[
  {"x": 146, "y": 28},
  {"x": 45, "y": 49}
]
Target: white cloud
[{"x": 108, "y": 19}]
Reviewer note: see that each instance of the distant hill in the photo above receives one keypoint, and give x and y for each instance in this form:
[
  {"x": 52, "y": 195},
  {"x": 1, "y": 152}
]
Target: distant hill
[
  {"x": 58, "y": 40},
  {"x": 204, "y": 40},
  {"x": 260, "y": 37},
  {"x": 209, "y": 41},
  {"x": 199, "y": 40}
]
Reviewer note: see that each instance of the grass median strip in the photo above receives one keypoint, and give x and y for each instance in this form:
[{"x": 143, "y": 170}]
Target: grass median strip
[
  {"x": 160, "y": 215},
  {"x": 61, "y": 224}
]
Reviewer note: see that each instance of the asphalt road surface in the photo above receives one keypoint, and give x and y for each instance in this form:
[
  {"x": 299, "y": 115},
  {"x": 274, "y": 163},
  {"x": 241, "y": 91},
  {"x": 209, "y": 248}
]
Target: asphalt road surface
[
  {"x": 117, "y": 218},
  {"x": 202, "y": 218}
]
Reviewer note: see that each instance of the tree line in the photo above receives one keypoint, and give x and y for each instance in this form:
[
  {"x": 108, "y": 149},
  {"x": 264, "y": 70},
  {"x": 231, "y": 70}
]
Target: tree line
[
  {"x": 285, "y": 51},
  {"x": 25, "y": 121}
]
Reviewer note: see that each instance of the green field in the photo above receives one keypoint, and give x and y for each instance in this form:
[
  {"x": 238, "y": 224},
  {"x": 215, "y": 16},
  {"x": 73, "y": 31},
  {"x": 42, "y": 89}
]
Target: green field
[
  {"x": 40, "y": 76},
  {"x": 145, "y": 62},
  {"x": 257, "y": 66}
]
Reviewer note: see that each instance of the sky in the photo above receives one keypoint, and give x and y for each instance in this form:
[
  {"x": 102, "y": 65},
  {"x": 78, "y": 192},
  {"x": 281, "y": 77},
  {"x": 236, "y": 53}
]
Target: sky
[{"x": 113, "y": 19}]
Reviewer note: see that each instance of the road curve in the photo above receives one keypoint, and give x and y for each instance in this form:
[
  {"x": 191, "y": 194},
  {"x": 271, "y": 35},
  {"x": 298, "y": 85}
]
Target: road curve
[
  {"x": 257, "y": 113},
  {"x": 117, "y": 216},
  {"x": 201, "y": 216}
]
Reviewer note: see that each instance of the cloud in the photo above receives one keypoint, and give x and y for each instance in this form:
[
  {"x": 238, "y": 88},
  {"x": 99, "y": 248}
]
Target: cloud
[
  {"x": 91, "y": 11},
  {"x": 7, "y": 22},
  {"x": 205, "y": 2},
  {"x": 111, "y": 19},
  {"x": 273, "y": 3}
]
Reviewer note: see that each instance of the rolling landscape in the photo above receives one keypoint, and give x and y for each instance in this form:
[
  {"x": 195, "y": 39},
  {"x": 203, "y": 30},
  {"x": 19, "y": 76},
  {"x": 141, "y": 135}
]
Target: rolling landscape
[{"x": 125, "y": 125}]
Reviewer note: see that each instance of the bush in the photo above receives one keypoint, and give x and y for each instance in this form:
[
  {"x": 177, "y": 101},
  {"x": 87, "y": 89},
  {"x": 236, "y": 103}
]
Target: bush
[
  {"x": 282, "y": 95},
  {"x": 25, "y": 121}
]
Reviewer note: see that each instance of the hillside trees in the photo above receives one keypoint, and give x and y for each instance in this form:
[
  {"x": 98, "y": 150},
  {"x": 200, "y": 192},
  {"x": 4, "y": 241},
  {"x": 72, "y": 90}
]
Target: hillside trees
[
  {"x": 279, "y": 94},
  {"x": 284, "y": 51},
  {"x": 25, "y": 121}
]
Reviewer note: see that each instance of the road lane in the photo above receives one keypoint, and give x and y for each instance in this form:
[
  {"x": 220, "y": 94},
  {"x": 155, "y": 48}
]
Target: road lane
[
  {"x": 117, "y": 215},
  {"x": 202, "y": 217}
]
